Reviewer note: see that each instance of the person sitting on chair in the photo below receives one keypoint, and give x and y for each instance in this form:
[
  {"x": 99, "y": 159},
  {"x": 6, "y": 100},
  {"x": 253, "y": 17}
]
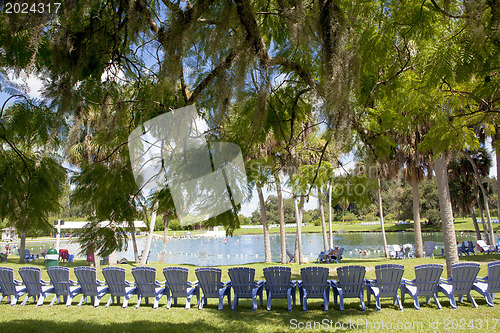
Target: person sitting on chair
[{"x": 334, "y": 253}]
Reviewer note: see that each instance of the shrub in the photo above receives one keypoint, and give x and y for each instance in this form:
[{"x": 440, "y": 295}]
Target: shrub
[{"x": 434, "y": 216}]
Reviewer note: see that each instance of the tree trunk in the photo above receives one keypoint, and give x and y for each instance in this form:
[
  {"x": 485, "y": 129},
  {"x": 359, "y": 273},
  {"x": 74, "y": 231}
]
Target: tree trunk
[
  {"x": 22, "y": 246},
  {"x": 112, "y": 259},
  {"x": 384, "y": 238},
  {"x": 265, "y": 227},
  {"x": 483, "y": 220},
  {"x": 491, "y": 239},
  {"x": 165, "y": 236},
  {"x": 282, "y": 219},
  {"x": 497, "y": 153},
  {"x": 474, "y": 221},
  {"x": 419, "y": 245},
  {"x": 323, "y": 222},
  {"x": 298, "y": 240},
  {"x": 449, "y": 238},
  {"x": 134, "y": 244},
  {"x": 330, "y": 230},
  {"x": 145, "y": 252}
]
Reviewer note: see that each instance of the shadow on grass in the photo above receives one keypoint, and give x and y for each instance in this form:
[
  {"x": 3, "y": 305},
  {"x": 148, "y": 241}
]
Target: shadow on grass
[
  {"x": 481, "y": 257},
  {"x": 29, "y": 325}
]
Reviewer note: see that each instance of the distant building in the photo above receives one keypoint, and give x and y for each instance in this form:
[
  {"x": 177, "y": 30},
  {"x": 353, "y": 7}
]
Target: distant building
[{"x": 9, "y": 234}]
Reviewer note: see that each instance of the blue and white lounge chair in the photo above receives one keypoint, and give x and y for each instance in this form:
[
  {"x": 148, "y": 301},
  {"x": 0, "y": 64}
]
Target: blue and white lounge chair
[
  {"x": 429, "y": 247},
  {"x": 177, "y": 284},
  {"x": 91, "y": 287},
  {"x": 490, "y": 284},
  {"x": 463, "y": 276},
  {"x": 147, "y": 285},
  {"x": 351, "y": 284},
  {"x": 244, "y": 286},
  {"x": 118, "y": 285},
  {"x": 279, "y": 285},
  {"x": 35, "y": 286},
  {"x": 211, "y": 285},
  {"x": 9, "y": 286},
  {"x": 314, "y": 284},
  {"x": 386, "y": 284},
  {"x": 63, "y": 286},
  {"x": 425, "y": 284}
]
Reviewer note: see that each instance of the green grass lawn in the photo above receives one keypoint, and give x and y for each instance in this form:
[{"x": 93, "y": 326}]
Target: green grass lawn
[
  {"x": 59, "y": 318},
  {"x": 461, "y": 224}
]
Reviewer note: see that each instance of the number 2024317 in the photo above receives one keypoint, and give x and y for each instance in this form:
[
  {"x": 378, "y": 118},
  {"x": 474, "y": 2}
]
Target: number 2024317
[{"x": 33, "y": 8}]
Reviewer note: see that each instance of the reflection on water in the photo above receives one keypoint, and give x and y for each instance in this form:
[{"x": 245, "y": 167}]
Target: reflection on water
[{"x": 242, "y": 249}]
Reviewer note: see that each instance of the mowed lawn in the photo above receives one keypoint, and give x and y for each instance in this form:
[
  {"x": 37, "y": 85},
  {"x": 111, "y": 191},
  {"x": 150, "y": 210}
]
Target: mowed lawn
[{"x": 60, "y": 318}]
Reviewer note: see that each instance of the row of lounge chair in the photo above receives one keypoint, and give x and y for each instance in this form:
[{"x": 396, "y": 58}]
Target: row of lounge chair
[{"x": 278, "y": 284}]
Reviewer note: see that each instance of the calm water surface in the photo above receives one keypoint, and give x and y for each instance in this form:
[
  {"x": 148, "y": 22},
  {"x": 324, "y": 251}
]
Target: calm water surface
[{"x": 242, "y": 249}]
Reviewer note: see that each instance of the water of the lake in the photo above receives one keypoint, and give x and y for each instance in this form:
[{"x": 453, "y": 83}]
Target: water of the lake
[{"x": 242, "y": 249}]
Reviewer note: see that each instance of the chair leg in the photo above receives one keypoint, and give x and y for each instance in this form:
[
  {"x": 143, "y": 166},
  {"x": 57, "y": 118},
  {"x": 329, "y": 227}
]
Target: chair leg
[
  {"x": 268, "y": 294},
  {"x": 361, "y": 298},
  {"x": 471, "y": 299},
  {"x": 41, "y": 298},
  {"x": 437, "y": 302},
  {"x": 200, "y": 304},
  {"x": 138, "y": 302},
  {"x": 109, "y": 301},
  {"x": 398, "y": 300},
  {"x": 82, "y": 300},
  {"x": 169, "y": 302},
  {"x": 53, "y": 300},
  {"x": 25, "y": 300},
  {"x": 235, "y": 302}
]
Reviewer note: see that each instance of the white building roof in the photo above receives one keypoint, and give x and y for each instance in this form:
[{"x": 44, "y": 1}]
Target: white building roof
[{"x": 81, "y": 224}]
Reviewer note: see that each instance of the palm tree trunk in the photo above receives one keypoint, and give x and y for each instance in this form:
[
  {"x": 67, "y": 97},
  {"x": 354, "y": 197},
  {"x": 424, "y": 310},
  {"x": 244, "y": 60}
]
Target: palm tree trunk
[
  {"x": 134, "y": 244},
  {"x": 22, "y": 246},
  {"x": 483, "y": 220},
  {"x": 474, "y": 221},
  {"x": 330, "y": 230},
  {"x": 497, "y": 153},
  {"x": 263, "y": 214},
  {"x": 298, "y": 218},
  {"x": 449, "y": 238},
  {"x": 384, "y": 238},
  {"x": 323, "y": 222},
  {"x": 419, "y": 245},
  {"x": 491, "y": 239},
  {"x": 145, "y": 252},
  {"x": 165, "y": 236},
  {"x": 282, "y": 219}
]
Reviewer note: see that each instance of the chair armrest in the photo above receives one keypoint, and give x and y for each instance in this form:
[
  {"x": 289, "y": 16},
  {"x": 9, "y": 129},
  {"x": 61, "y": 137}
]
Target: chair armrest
[
  {"x": 332, "y": 283},
  {"x": 259, "y": 283},
  {"x": 128, "y": 283},
  {"x": 482, "y": 279},
  {"x": 73, "y": 283},
  {"x": 293, "y": 283},
  {"x": 369, "y": 282},
  {"x": 17, "y": 282},
  {"x": 45, "y": 283},
  {"x": 226, "y": 284},
  {"x": 100, "y": 283},
  {"x": 158, "y": 283},
  {"x": 445, "y": 281},
  {"x": 193, "y": 284},
  {"x": 407, "y": 282}
]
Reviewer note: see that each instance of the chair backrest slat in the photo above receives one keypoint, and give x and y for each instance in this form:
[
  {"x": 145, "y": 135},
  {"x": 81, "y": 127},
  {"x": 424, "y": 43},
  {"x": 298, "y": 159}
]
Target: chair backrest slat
[
  {"x": 242, "y": 280},
  {"x": 314, "y": 280},
  {"x": 351, "y": 279},
  {"x": 115, "y": 279},
  {"x": 176, "y": 279},
  {"x": 32, "y": 280},
  {"x": 209, "y": 280},
  {"x": 7, "y": 285},
  {"x": 87, "y": 278},
  {"x": 59, "y": 277},
  {"x": 278, "y": 280},
  {"x": 145, "y": 280}
]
